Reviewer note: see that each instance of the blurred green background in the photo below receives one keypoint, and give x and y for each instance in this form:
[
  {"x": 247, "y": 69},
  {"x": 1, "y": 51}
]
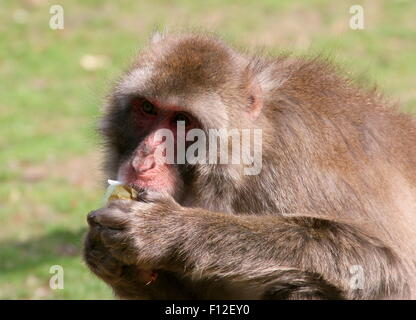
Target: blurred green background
[{"x": 52, "y": 84}]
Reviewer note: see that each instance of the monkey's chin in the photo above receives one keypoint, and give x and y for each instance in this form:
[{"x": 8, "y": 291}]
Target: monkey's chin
[{"x": 148, "y": 185}]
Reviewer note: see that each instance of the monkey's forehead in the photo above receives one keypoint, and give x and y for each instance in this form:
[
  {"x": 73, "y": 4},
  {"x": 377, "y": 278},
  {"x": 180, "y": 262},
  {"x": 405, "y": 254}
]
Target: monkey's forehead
[{"x": 184, "y": 65}]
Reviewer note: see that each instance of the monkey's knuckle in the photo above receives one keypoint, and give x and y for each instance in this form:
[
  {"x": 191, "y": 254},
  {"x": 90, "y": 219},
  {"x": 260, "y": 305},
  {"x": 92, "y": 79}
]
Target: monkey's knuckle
[
  {"x": 93, "y": 233},
  {"x": 112, "y": 238},
  {"x": 91, "y": 217},
  {"x": 96, "y": 216},
  {"x": 114, "y": 219}
]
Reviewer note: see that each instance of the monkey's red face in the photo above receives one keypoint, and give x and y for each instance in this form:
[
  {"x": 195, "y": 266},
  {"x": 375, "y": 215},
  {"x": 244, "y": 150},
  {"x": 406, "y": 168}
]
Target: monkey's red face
[{"x": 146, "y": 167}]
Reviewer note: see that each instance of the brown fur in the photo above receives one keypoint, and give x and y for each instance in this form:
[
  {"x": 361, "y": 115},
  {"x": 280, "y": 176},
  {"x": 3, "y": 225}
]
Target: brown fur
[{"x": 337, "y": 187}]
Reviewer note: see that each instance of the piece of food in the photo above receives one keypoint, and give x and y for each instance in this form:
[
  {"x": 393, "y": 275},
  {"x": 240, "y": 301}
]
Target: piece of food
[
  {"x": 123, "y": 192},
  {"x": 117, "y": 190}
]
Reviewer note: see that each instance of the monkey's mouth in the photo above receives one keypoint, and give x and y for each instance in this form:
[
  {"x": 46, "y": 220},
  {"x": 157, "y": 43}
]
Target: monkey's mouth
[{"x": 155, "y": 177}]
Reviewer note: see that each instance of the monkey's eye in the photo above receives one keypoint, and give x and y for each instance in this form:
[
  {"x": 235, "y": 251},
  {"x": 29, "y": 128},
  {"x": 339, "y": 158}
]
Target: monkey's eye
[
  {"x": 148, "y": 108},
  {"x": 182, "y": 117}
]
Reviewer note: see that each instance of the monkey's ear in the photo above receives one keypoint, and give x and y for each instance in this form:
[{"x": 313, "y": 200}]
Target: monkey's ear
[
  {"x": 252, "y": 88},
  {"x": 255, "y": 99}
]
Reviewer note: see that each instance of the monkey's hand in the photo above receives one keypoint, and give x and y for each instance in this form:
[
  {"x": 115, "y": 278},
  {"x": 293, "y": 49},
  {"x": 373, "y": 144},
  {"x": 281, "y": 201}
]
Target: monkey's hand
[
  {"x": 124, "y": 247},
  {"x": 136, "y": 233}
]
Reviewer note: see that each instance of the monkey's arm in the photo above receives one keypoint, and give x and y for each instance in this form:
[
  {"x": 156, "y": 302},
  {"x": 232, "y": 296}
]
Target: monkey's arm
[
  {"x": 280, "y": 257},
  {"x": 289, "y": 257}
]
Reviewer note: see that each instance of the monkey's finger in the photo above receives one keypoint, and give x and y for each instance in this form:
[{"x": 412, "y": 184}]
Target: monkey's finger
[
  {"x": 91, "y": 218},
  {"x": 111, "y": 218},
  {"x": 100, "y": 260},
  {"x": 125, "y": 254},
  {"x": 118, "y": 242},
  {"x": 114, "y": 238},
  {"x": 93, "y": 235},
  {"x": 109, "y": 267}
]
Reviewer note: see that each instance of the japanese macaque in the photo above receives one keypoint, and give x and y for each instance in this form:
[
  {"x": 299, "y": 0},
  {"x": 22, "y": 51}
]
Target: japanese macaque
[{"x": 330, "y": 213}]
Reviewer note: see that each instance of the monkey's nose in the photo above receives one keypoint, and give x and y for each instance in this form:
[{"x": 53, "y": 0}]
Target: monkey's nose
[{"x": 140, "y": 164}]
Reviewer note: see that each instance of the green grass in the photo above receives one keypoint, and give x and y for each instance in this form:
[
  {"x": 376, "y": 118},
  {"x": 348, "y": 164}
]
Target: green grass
[{"x": 49, "y": 104}]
